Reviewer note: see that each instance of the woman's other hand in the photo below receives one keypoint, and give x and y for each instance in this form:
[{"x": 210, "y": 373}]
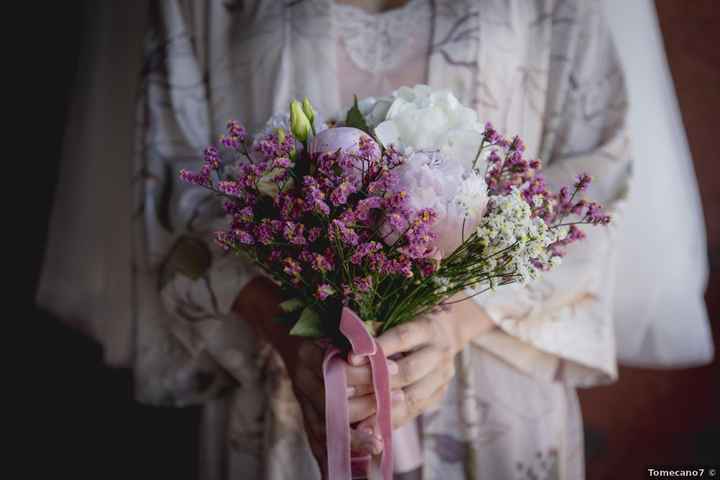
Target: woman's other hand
[{"x": 425, "y": 350}]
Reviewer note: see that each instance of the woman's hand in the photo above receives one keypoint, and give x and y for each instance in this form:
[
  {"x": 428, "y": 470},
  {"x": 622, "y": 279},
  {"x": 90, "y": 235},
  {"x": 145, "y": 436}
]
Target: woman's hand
[
  {"x": 257, "y": 304},
  {"x": 306, "y": 375},
  {"x": 425, "y": 349}
]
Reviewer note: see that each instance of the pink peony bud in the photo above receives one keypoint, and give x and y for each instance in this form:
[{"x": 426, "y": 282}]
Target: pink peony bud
[{"x": 346, "y": 139}]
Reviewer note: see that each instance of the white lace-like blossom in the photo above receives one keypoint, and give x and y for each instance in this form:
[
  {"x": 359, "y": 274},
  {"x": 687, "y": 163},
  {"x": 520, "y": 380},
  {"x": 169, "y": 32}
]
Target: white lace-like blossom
[{"x": 510, "y": 227}]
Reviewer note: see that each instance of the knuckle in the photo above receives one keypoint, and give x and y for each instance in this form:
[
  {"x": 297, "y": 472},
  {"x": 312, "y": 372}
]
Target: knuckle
[
  {"x": 410, "y": 364},
  {"x": 412, "y": 402},
  {"x": 405, "y": 336}
]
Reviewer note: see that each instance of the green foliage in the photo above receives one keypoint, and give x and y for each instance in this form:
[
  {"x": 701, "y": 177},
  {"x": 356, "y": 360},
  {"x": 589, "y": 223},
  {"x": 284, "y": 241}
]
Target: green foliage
[
  {"x": 356, "y": 119},
  {"x": 308, "y": 325}
]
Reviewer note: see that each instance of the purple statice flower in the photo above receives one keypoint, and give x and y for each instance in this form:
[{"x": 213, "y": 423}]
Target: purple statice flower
[
  {"x": 363, "y": 284},
  {"x": 235, "y": 136},
  {"x": 339, "y": 230},
  {"x": 292, "y": 268},
  {"x": 339, "y": 196},
  {"x": 224, "y": 240},
  {"x": 595, "y": 214},
  {"x": 195, "y": 178},
  {"x": 362, "y": 211},
  {"x": 243, "y": 237},
  {"x": 294, "y": 233},
  {"x": 392, "y": 158},
  {"x": 385, "y": 181},
  {"x": 397, "y": 221},
  {"x": 245, "y": 214},
  {"x": 235, "y": 129},
  {"x": 273, "y": 146},
  {"x": 401, "y": 266},
  {"x": 231, "y": 207},
  {"x": 579, "y": 207},
  {"x": 313, "y": 234},
  {"x": 275, "y": 255},
  {"x": 314, "y": 196},
  {"x": 427, "y": 267},
  {"x": 377, "y": 262},
  {"x": 363, "y": 250},
  {"x": 491, "y": 135},
  {"x": 582, "y": 183},
  {"x": 321, "y": 263},
  {"x": 306, "y": 256},
  {"x": 212, "y": 158},
  {"x": 517, "y": 145},
  {"x": 557, "y": 249},
  {"x": 229, "y": 187},
  {"x": 264, "y": 233},
  {"x": 291, "y": 207},
  {"x": 281, "y": 162},
  {"x": 326, "y": 163},
  {"x": 277, "y": 226},
  {"x": 324, "y": 291}
]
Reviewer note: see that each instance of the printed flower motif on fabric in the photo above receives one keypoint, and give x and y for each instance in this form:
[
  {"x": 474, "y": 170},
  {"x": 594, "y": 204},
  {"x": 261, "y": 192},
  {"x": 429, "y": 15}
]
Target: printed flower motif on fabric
[{"x": 544, "y": 466}]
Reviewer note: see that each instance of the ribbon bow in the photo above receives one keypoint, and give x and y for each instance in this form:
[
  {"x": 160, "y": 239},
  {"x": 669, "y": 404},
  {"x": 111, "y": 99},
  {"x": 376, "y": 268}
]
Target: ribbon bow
[{"x": 340, "y": 464}]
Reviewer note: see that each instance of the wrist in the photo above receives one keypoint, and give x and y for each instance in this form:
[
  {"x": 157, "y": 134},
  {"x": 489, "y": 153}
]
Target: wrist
[{"x": 469, "y": 320}]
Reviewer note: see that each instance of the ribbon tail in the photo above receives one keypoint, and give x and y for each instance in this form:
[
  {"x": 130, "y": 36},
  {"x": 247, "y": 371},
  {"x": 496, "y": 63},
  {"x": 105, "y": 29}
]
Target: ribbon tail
[
  {"x": 340, "y": 465},
  {"x": 337, "y": 423},
  {"x": 381, "y": 383}
]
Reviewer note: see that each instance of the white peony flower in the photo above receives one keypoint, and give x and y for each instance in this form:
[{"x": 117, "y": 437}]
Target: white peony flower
[{"x": 420, "y": 118}]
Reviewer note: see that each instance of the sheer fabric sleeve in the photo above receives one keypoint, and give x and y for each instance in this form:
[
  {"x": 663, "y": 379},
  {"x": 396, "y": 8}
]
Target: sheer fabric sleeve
[
  {"x": 190, "y": 345},
  {"x": 560, "y": 327}
]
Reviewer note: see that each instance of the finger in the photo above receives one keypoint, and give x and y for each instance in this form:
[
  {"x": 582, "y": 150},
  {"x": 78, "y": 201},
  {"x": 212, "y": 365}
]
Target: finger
[
  {"x": 360, "y": 408},
  {"x": 397, "y": 399},
  {"x": 420, "y": 394},
  {"x": 359, "y": 390},
  {"x": 363, "y": 375},
  {"x": 419, "y": 364},
  {"x": 407, "y": 336},
  {"x": 364, "y": 442}
]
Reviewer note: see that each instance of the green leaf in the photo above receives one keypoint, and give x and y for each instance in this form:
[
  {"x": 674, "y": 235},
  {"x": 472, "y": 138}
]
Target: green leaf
[
  {"x": 355, "y": 118},
  {"x": 291, "y": 305},
  {"x": 308, "y": 325}
]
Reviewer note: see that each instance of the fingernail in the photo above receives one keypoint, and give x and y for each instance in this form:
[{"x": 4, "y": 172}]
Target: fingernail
[
  {"x": 393, "y": 367},
  {"x": 397, "y": 395},
  {"x": 377, "y": 447},
  {"x": 351, "y": 391}
]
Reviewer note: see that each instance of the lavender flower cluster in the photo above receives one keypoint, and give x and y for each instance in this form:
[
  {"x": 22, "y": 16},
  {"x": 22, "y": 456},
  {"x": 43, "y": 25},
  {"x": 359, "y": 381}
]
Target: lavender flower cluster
[
  {"x": 319, "y": 222},
  {"x": 325, "y": 214}
]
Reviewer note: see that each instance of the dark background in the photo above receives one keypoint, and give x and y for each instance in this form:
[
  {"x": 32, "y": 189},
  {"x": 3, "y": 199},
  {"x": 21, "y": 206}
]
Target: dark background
[{"x": 83, "y": 422}]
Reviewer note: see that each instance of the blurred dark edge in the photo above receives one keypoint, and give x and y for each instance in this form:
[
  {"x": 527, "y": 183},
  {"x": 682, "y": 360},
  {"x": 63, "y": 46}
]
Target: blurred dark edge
[{"x": 81, "y": 419}]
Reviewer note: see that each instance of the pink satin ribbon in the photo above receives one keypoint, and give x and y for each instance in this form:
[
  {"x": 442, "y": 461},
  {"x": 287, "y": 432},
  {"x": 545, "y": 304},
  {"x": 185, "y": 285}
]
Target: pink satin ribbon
[{"x": 340, "y": 464}]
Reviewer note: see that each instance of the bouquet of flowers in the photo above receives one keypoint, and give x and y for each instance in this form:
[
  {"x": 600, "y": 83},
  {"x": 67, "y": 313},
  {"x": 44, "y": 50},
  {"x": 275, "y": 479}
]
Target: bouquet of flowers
[{"x": 403, "y": 206}]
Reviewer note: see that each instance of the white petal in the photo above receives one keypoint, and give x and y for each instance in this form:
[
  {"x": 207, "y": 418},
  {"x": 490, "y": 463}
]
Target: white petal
[{"x": 387, "y": 133}]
